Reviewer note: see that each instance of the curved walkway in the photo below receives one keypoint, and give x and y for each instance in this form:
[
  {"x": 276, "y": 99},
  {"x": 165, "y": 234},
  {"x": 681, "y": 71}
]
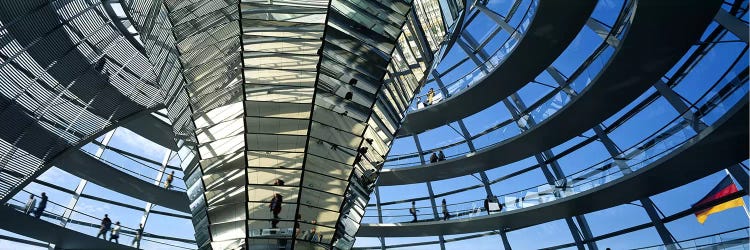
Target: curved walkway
[
  {"x": 554, "y": 26},
  {"x": 153, "y": 129},
  {"x": 713, "y": 149},
  {"x": 639, "y": 62},
  {"x": 94, "y": 170},
  {"x": 63, "y": 238}
]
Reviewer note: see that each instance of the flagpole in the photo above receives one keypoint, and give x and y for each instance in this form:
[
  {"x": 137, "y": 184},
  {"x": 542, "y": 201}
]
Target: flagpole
[{"x": 747, "y": 212}]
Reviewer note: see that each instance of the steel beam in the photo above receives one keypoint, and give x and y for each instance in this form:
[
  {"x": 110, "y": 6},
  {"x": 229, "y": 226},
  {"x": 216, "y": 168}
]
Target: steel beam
[
  {"x": 380, "y": 214},
  {"x": 504, "y": 238},
  {"x": 551, "y": 178},
  {"x": 733, "y": 24},
  {"x": 736, "y": 170},
  {"x": 157, "y": 181},
  {"x": 497, "y": 18},
  {"x": 82, "y": 184},
  {"x": 429, "y": 190},
  {"x": 470, "y": 52},
  {"x": 602, "y": 31}
]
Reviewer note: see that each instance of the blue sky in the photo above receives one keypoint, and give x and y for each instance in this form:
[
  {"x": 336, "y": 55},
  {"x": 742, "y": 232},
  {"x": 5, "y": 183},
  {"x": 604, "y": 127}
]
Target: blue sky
[
  {"x": 157, "y": 224},
  {"x": 656, "y": 115}
]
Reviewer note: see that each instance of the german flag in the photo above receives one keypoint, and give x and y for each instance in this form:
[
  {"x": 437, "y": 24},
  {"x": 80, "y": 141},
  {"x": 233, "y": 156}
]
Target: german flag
[{"x": 724, "y": 188}]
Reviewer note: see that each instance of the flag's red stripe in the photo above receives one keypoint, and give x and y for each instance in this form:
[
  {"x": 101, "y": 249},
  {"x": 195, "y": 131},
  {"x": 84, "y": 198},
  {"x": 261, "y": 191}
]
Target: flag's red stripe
[{"x": 721, "y": 193}]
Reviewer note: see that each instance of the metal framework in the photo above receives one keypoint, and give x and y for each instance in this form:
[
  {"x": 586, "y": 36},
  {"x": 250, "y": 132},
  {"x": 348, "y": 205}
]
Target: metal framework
[
  {"x": 282, "y": 113},
  {"x": 308, "y": 93},
  {"x": 651, "y": 209}
]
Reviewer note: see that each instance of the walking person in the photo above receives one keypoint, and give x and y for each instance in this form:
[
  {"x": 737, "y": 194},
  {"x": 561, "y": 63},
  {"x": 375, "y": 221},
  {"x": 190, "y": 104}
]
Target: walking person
[
  {"x": 104, "y": 227},
  {"x": 433, "y": 158},
  {"x": 137, "y": 237},
  {"x": 413, "y": 211},
  {"x": 446, "y": 214},
  {"x": 275, "y": 208},
  {"x": 168, "y": 183},
  {"x": 30, "y": 204},
  {"x": 42, "y": 205},
  {"x": 115, "y": 234},
  {"x": 430, "y": 96},
  {"x": 441, "y": 156}
]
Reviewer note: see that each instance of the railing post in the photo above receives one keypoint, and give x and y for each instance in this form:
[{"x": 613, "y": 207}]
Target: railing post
[
  {"x": 429, "y": 190},
  {"x": 82, "y": 184}
]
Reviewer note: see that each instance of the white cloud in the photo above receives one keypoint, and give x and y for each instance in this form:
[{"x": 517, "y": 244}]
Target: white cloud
[
  {"x": 52, "y": 175},
  {"x": 97, "y": 210}
]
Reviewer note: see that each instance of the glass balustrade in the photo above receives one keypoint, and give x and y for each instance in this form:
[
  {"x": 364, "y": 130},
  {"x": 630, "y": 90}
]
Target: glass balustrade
[{"x": 652, "y": 148}]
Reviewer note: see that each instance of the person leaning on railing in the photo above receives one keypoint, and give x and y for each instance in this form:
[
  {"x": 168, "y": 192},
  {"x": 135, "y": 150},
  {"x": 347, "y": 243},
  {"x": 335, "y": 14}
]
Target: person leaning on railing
[
  {"x": 30, "y": 205},
  {"x": 42, "y": 205},
  {"x": 446, "y": 214},
  {"x": 433, "y": 158},
  {"x": 137, "y": 237},
  {"x": 413, "y": 211}
]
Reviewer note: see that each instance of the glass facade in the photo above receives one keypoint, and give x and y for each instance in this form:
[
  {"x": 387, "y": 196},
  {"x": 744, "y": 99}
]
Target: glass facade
[{"x": 388, "y": 124}]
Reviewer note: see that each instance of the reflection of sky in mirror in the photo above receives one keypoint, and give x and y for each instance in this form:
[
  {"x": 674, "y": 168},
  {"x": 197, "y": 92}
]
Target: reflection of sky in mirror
[{"x": 644, "y": 123}]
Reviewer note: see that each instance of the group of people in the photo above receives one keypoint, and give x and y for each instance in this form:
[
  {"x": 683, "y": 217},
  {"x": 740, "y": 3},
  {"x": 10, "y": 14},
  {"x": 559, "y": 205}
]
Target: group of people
[
  {"x": 413, "y": 211},
  {"x": 446, "y": 214},
  {"x": 311, "y": 235},
  {"x": 360, "y": 153},
  {"x": 32, "y": 207},
  {"x": 430, "y": 99},
  {"x": 275, "y": 209},
  {"x": 105, "y": 226},
  {"x": 369, "y": 177},
  {"x": 437, "y": 157},
  {"x": 114, "y": 232}
]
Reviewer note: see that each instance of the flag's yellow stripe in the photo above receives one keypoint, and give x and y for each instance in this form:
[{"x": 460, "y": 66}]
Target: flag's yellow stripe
[{"x": 718, "y": 208}]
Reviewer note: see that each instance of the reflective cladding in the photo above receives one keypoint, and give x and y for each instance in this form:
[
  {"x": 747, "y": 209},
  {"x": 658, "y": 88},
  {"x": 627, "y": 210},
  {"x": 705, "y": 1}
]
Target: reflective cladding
[
  {"x": 312, "y": 92},
  {"x": 278, "y": 117},
  {"x": 68, "y": 76}
]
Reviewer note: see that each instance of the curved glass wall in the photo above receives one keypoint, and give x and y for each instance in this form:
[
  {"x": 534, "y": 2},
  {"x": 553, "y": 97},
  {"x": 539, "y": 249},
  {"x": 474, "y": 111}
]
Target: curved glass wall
[
  {"x": 556, "y": 97},
  {"x": 107, "y": 47},
  {"x": 664, "y": 140},
  {"x": 710, "y": 79},
  {"x": 453, "y": 82},
  {"x": 79, "y": 203}
]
